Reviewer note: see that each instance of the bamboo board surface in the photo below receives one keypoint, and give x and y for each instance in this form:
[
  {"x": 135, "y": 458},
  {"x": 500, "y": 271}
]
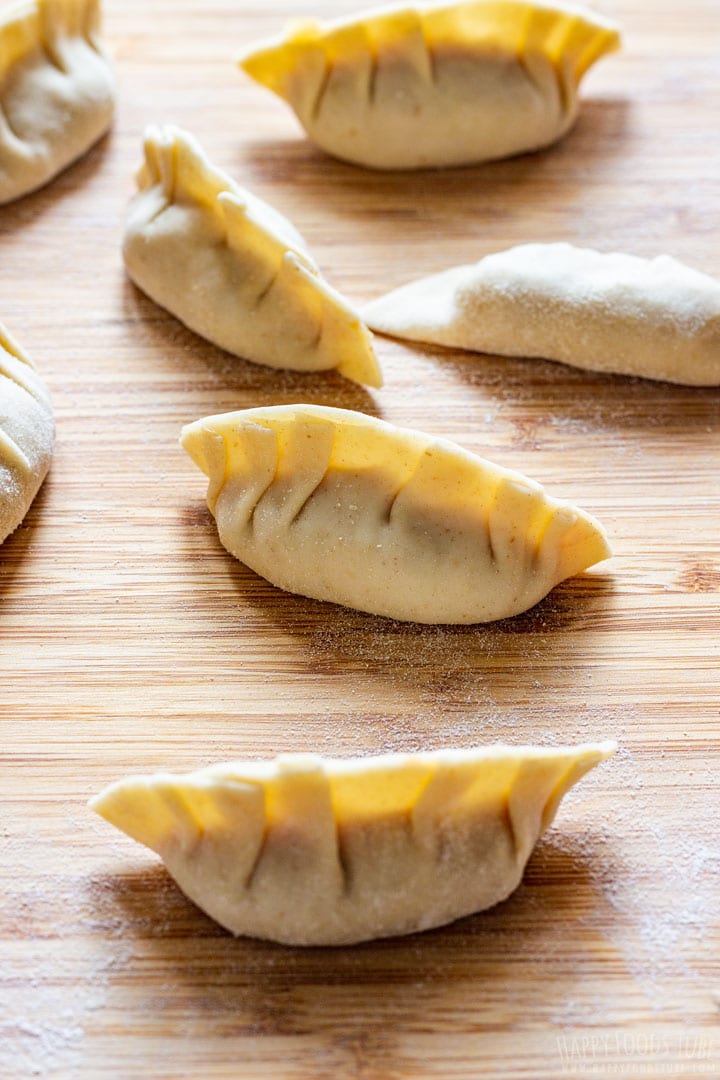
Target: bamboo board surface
[{"x": 130, "y": 641}]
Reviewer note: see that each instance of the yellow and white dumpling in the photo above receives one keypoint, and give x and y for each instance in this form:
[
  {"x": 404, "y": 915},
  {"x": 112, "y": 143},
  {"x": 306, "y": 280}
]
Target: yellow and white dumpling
[
  {"x": 436, "y": 84},
  {"x": 27, "y": 432},
  {"x": 56, "y": 90},
  {"x": 235, "y": 270},
  {"x": 308, "y": 850},
  {"x": 339, "y": 506},
  {"x": 601, "y": 311}
]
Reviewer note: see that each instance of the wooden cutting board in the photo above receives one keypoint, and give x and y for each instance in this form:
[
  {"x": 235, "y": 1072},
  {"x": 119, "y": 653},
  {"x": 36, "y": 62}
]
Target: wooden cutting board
[{"x": 131, "y": 641}]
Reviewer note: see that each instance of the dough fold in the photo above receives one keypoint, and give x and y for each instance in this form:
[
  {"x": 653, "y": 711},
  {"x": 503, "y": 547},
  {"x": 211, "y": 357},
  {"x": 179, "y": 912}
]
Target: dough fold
[
  {"x": 57, "y": 90},
  {"x": 435, "y": 84},
  {"x": 233, "y": 269},
  {"x": 307, "y": 850},
  {"x": 27, "y": 431},
  {"x": 340, "y": 506}
]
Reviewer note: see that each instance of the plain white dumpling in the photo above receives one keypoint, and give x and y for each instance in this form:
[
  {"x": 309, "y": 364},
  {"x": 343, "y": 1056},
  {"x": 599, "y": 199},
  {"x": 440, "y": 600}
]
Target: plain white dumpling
[{"x": 602, "y": 312}]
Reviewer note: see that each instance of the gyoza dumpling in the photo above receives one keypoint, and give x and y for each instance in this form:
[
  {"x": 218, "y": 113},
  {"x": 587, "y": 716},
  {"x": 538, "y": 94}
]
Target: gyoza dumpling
[
  {"x": 233, "y": 269},
  {"x": 27, "y": 430},
  {"x": 56, "y": 90},
  {"x": 614, "y": 313},
  {"x": 313, "y": 851},
  {"x": 339, "y": 506},
  {"x": 407, "y": 87}
]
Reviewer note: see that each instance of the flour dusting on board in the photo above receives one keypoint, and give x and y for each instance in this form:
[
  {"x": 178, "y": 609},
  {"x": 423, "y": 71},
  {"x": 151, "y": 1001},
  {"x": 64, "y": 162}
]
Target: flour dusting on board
[{"x": 57, "y": 985}]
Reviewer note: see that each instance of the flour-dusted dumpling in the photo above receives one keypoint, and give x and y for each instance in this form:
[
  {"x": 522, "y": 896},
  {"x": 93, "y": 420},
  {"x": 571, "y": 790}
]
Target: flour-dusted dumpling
[
  {"x": 412, "y": 86},
  {"x": 603, "y": 312},
  {"x": 314, "y": 851},
  {"x": 56, "y": 90},
  {"x": 339, "y": 506},
  {"x": 27, "y": 431},
  {"x": 233, "y": 269}
]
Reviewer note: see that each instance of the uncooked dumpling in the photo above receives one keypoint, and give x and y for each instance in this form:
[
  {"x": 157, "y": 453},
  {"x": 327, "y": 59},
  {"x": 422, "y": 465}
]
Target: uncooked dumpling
[
  {"x": 233, "y": 269},
  {"x": 603, "y": 312},
  {"x": 27, "y": 430},
  {"x": 56, "y": 90},
  {"x": 339, "y": 506},
  {"x": 313, "y": 851},
  {"x": 407, "y": 87}
]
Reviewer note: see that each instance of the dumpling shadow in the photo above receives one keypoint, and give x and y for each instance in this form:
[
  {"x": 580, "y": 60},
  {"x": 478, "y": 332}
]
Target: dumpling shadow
[
  {"x": 23, "y": 212},
  {"x": 575, "y": 400},
  {"x": 406, "y": 665},
  {"x": 244, "y": 986},
  {"x": 221, "y": 382},
  {"x": 347, "y": 190}
]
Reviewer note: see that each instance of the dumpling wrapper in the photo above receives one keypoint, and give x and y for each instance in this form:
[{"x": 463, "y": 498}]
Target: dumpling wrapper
[
  {"x": 307, "y": 850},
  {"x": 233, "y": 269},
  {"x": 602, "y": 312},
  {"x": 56, "y": 90},
  {"x": 426, "y": 85},
  {"x": 27, "y": 432},
  {"x": 340, "y": 506}
]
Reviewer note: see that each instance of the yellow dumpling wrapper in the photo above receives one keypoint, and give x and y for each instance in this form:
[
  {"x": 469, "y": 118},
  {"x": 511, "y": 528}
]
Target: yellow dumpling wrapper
[
  {"x": 308, "y": 850},
  {"x": 233, "y": 269},
  {"x": 57, "y": 90},
  {"x": 339, "y": 506},
  {"x": 429, "y": 85},
  {"x": 27, "y": 433}
]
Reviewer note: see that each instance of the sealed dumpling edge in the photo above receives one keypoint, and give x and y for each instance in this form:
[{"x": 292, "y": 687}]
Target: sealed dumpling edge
[
  {"x": 306, "y": 850},
  {"x": 27, "y": 432},
  {"x": 57, "y": 90},
  {"x": 340, "y": 506},
  {"x": 608, "y": 312},
  {"x": 411, "y": 86},
  {"x": 233, "y": 269}
]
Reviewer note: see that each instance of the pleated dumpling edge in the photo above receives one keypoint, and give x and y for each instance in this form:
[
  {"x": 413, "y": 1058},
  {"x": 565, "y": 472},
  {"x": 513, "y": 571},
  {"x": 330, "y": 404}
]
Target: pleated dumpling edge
[
  {"x": 306, "y": 850},
  {"x": 233, "y": 269},
  {"x": 58, "y": 90},
  {"x": 27, "y": 432},
  {"x": 340, "y": 506},
  {"x": 412, "y": 86}
]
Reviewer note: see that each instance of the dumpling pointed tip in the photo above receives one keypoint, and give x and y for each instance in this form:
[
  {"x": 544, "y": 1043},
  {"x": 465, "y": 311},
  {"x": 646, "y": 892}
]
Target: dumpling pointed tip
[
  {"x": 262, "y": 65},
  {"x": 363, "y": 367},
  {"x": 192, "y": 440},
  {"x": 124, "y": 806},
  {"x": 585, "y": 544}
]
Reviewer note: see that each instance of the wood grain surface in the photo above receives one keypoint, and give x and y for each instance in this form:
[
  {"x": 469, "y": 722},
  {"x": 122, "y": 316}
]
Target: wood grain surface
[{"x": 131, "y": 641}]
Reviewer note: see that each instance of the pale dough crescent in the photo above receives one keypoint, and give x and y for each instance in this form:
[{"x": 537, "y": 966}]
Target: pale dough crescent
[
  {"x": 603, "y": 312},
  {"x": 57, "y": 90},
  {"x": 307, "y": 850},
  {"x": 27, "y": 431},
  {"x": 233, "y": 269},
  {"x": 413, "y": 86},
  {"x": 339, "y": 506}
]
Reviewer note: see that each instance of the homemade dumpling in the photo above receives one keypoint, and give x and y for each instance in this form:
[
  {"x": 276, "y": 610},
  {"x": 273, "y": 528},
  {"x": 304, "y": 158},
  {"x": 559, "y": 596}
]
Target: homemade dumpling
[
  {"x": 233, "y": 269},
  {"x": 56, "y": 90},
  {"x": 412, "y": 86},
  {"x": 27, "y": 430},
  {"x": 603, "y": 312},
  {"x": 308, "y": 850},
  {"x": 339, "y": 506}
]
